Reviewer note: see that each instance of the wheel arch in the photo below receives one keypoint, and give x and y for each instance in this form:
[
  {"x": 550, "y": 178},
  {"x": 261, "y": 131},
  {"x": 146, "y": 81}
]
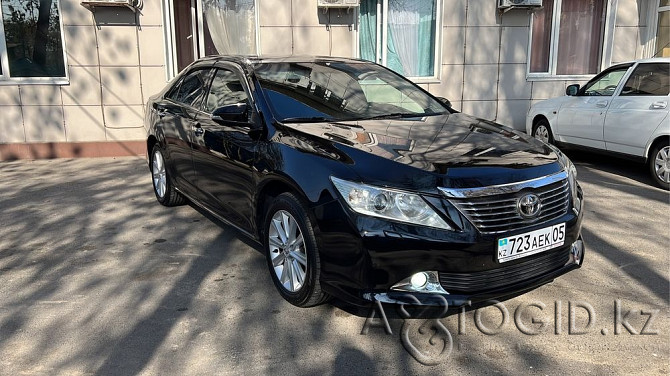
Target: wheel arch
[
  {"x": 269, "y": 189},
  {"x": 151, "y": 142},
  {"x": 538, "y": 118},
  {"x": 155, "y": 138},
  {"x": 657, "y": 140}
]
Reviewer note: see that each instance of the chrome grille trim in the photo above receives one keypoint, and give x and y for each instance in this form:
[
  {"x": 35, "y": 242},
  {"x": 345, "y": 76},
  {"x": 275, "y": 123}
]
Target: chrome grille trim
[
  {"x": 503, "y": 188},
  {"x": 498, "y": 214},
  {"x": 546, "y": 196}
]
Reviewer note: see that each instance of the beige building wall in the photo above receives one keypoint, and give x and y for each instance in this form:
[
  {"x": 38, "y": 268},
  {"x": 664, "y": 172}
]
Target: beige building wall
[
  {"x": 298, "y": 27},
  {"x": 116, "y": 60},
  {"x": 631, "y": 31}
]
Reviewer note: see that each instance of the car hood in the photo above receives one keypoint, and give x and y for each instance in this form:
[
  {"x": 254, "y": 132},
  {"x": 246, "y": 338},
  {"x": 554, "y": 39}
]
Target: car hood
[{"x": 458, "y": 147}]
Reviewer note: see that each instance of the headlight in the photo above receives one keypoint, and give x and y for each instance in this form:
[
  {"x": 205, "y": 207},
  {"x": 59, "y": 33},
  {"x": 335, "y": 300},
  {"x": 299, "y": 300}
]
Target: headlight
[
  {"x": 390, "y": 204},
  {"x": 572, "y": 178}
]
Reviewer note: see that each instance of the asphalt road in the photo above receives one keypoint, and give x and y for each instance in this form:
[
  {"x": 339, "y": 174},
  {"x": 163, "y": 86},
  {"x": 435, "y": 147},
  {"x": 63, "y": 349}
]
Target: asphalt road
[{"x": 97, "y": 278}]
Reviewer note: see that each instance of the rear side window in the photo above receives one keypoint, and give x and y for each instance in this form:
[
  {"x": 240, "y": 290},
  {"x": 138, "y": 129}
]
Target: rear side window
[
  {"x": 226, "y": 89},
  {"x": 648, "y": 79},
  {"x": 190, "y": 89}
]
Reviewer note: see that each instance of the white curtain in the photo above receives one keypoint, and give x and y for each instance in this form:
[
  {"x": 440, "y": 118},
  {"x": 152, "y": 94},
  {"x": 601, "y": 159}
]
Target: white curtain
[
  {"x": 411, "y": 28},
  {"x": 404, "y": 25},
  {"x": 232, "y": 26}
]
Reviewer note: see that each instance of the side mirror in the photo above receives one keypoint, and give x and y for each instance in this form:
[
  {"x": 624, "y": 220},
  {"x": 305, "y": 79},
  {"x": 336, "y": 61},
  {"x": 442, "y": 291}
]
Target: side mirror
[
  {"x": 444, "y": 101},
  {"x": 572, "y": 90},
  {"x": 238, "y": 112}
]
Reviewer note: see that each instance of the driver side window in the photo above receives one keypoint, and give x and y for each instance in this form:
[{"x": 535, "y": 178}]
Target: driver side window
[
  {"x": 226, "y": 89},
  {"x": 606, "y": 84}
]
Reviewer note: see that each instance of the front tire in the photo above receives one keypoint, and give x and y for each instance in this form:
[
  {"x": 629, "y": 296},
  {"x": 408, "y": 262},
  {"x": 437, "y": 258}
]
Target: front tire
[
  {"x": 659, "y": 165},
  {"x": 163, "y": 187},
  {"x": 542, "y": 131},
  {"x": 291, "y": 252}
]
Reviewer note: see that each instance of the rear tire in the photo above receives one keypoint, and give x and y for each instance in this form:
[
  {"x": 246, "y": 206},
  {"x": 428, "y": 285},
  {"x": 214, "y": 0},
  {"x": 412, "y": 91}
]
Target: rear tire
[
  {"x": 291, "y": 252},
  {"x": 165, "y": 192},
  {"x": 542, "y": 131},
  {"x": 659, "y": 164}
]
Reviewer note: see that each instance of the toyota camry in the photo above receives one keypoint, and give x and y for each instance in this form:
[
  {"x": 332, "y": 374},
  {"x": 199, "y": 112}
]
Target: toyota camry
[{"x": 360, "y": 185}]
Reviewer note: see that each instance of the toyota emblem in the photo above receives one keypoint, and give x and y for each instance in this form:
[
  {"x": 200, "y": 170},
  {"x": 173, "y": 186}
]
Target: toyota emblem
[{"x": 528, "y": 206}]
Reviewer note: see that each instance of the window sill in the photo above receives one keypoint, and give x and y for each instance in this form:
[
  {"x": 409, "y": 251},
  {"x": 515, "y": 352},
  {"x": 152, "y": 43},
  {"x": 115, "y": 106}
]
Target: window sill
[
  {"x": 34, "y": 81},
  {"x": 425, "y": 80},
  {"x": 546, "y": 77}
]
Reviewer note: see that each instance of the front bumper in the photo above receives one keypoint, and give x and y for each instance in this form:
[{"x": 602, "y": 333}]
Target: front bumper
[
  {"x": 460, "y": 299},
  {"x": 363, "y": 257}
]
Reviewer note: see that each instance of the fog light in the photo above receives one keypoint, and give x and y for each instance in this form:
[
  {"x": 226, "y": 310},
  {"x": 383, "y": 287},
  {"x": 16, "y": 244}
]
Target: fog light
[
  {"x": 577, "y": 252},
  {"x": 426, "y": 282},
  {"x": 419, "y": 280}
]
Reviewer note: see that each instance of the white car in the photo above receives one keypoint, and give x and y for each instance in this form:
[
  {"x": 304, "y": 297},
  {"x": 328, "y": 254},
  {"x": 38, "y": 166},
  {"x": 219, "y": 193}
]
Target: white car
[{"x": 623, "y": 110}]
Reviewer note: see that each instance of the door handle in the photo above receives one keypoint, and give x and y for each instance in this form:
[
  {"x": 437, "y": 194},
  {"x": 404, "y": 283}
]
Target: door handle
[
  {"x": 602, "y": 103},
  {"x": 659, "y": 105},
  {"x": 198, "y": 129}
]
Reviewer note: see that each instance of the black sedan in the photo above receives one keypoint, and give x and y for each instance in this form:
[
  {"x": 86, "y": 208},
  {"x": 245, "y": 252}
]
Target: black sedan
[{"x": 359, "y": 184}]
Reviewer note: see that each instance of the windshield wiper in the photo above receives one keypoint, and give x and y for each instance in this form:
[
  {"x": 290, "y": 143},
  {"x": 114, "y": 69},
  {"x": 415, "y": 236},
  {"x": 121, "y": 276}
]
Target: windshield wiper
[
  {"x": 307, "y": 119},
  {"x": 321, "y": 119},
  {"x": 394, "y": 115}
]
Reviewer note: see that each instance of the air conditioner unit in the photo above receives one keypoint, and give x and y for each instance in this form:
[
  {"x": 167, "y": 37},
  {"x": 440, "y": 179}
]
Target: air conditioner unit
[
  {"x": 504, "y": 4},
  {"x": 338, "y": 3},
  {"x": 92, "y": 4}
]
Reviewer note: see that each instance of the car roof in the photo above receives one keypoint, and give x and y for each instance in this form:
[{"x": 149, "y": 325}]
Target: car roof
[
  {"x": 256, "y": 59},
  {"x": 649, "y": 60},
  {"x": 259, "y": 59}
]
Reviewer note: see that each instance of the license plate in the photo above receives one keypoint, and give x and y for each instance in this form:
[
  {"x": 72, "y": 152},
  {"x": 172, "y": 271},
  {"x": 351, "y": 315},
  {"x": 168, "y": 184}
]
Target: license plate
[{"x": 530, "y": 243}]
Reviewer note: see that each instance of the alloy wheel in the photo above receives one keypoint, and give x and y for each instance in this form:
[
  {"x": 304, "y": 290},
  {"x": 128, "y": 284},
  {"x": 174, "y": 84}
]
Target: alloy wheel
[
  {"x": 542, "y": 133},
  {"x": 159, "y": 176},
  {"x": 287, "y": 251},
  {"x": 662, "y": 164}
]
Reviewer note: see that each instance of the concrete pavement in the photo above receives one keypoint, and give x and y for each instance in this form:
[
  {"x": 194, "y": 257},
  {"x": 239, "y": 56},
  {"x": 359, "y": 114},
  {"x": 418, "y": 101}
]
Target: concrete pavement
[{"x": 97, "y": 278}]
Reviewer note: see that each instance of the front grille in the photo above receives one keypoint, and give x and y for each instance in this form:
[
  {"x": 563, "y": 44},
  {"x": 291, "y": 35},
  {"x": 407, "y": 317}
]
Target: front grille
[
  {"x": 498, "y": 213},
  {"x": 482, "y": 281}
]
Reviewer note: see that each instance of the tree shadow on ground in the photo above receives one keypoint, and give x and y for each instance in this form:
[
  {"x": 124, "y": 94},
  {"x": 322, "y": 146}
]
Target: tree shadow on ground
[{"x": 96, "y": 277}]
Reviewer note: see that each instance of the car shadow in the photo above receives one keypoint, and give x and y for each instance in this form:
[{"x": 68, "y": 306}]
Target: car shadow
[{"x": 626, "y": 168}]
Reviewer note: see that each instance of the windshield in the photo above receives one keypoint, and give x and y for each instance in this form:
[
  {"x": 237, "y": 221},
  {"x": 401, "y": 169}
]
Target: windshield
[{"x": 338, "y": 91}]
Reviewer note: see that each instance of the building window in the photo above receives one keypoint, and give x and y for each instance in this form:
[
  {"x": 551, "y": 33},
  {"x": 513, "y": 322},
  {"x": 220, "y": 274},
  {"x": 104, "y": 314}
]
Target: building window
[
  {"x": 208, "y": 27},
  {"x": 402, "y": 35},
  {"x": 567, "y": 37},
  {"x": 31, "y": 41},
  {"x": 229, "y": 27},
  {"x": 662, "y": 48}
]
